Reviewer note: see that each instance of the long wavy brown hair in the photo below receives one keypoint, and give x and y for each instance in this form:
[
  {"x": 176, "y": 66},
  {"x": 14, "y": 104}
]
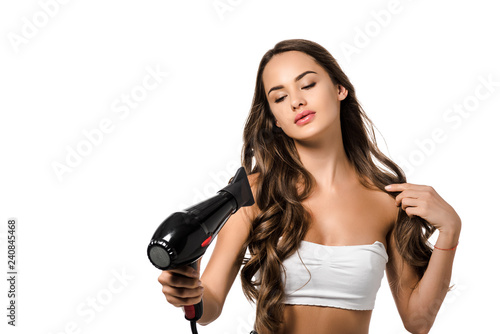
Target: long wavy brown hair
[{"x": 283, "y": 221}]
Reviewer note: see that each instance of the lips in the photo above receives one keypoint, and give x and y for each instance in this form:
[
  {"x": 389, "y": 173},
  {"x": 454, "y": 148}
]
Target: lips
[{"x": 303, "y": 114}]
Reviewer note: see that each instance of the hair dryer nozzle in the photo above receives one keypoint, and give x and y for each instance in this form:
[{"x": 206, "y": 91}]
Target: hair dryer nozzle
[{"x": 239, "y": 187}]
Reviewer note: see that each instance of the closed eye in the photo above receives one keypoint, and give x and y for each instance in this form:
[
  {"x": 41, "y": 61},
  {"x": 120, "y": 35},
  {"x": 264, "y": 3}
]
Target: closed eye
[
  {"x": 306, "y": 87},
  {"x": 310, "y": 86}
]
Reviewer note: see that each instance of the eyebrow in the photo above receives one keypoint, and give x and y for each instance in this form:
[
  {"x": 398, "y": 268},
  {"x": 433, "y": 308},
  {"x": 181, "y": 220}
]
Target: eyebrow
[{"x": 300, "y": 76}]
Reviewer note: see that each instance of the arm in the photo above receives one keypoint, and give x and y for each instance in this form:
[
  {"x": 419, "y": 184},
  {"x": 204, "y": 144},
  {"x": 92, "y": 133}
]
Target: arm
[
  {"x": 225, "y": 261},
  {"x": 418, "y": 301},
  {"x": 418, "y": 308}
]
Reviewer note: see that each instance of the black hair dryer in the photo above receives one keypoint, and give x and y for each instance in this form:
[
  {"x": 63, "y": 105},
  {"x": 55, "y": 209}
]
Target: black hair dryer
[{"x": 184, "y": 236}]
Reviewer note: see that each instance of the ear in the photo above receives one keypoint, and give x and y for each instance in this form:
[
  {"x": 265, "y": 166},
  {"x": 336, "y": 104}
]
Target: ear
[
  {"x": 276, "y": 121},
  {"x": 342, "y": 92}
]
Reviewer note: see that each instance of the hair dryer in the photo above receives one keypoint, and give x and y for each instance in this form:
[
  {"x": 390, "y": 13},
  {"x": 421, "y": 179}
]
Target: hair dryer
[{"x": 184, "y": 236}]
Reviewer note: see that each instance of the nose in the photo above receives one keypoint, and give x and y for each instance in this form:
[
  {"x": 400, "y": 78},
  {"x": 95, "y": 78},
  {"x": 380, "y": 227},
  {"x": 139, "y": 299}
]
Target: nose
[{"x": 298, "y": 101}]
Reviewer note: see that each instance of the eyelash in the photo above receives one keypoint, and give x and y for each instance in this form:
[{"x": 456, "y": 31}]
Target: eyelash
[{"x": 307, "y": 87}]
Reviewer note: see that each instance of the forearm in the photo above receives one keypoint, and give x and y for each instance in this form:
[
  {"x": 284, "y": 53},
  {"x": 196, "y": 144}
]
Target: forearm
[
  {"x": 211, "y": 308},
  {"x": 425, "y": 301}
]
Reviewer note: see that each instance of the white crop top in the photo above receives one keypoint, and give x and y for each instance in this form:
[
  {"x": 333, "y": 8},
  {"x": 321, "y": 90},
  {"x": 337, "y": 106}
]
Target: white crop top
[{"x": 340, "y": 276}]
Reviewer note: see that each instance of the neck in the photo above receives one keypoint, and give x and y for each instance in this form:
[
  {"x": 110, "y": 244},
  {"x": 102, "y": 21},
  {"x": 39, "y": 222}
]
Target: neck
[{"x": 326, "y": 160}]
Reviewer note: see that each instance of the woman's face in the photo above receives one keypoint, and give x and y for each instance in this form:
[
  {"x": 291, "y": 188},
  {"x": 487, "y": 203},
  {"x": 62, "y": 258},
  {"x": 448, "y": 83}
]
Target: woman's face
[{"x": 288, "y": 96}]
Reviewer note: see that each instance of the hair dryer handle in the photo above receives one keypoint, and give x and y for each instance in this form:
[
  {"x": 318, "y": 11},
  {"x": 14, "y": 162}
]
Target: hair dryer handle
[{"x": 194, "y": 312}]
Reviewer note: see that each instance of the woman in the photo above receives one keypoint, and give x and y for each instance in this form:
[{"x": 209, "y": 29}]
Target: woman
[{"x": 324, "y": 226}]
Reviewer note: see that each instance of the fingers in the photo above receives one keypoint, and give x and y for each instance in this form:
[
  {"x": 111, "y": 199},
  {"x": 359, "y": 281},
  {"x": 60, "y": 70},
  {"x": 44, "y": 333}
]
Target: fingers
[
  {"x": 178, "y": 280},
  {"x": 181, "y": 297},
  {"x": 181, "y": 286},
  {"x": 409, "y": 202},
  {"x": 414, "y": 211},
  {"x": 179, "y": 302},
  {"x": 186, "y": 271},
  {"x": 404, "y": 186},
  {"x": 407, "y": 194}
]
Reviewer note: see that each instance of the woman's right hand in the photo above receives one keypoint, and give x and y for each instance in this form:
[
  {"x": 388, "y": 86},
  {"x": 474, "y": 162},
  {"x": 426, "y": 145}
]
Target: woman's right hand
[{"x": 182, "y": 286}]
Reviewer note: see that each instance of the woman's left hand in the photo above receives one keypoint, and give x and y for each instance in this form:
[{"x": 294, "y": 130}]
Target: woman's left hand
[{"x": 425, "y": 202}]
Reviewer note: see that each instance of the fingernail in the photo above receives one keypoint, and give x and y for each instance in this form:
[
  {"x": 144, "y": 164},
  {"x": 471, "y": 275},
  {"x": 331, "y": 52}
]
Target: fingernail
[{"x": 388, "y": 187}]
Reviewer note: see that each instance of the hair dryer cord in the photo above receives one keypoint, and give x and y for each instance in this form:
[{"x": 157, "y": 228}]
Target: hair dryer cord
[{"x": 193, "y": 327}]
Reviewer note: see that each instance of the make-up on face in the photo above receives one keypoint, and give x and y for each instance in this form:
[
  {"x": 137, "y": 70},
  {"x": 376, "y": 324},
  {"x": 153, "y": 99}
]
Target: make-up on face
[{"x": 296, "y": 86}]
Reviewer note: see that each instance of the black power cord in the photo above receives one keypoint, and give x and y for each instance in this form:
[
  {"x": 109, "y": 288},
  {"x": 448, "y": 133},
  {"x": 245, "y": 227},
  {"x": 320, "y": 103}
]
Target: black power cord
[{"x": 193, "y": 327}]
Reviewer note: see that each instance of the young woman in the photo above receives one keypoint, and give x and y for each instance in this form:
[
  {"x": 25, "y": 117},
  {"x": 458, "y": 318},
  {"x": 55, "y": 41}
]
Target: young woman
[{"x": 324, "y": 226}]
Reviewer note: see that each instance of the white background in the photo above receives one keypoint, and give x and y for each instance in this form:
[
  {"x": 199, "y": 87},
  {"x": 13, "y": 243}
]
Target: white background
[{"x": 182, "y": 142}]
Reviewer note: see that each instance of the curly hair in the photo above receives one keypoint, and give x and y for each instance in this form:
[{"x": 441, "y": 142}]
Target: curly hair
[{"x": 282, "y": 221}]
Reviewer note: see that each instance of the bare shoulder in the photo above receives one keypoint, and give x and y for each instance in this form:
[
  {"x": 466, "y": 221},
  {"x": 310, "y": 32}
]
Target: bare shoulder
[
  {"x": 389, "y": 204},
  {"x": 385, "y": 206}
]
